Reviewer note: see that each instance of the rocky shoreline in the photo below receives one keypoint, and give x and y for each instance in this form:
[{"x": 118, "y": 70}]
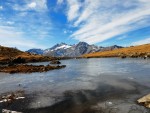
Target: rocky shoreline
[
  {"x": 112, "y": 102},
  {"x": 24, "y": 68}
]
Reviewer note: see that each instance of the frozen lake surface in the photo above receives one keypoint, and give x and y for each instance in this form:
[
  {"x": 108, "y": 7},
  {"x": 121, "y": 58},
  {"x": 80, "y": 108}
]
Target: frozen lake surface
[{"x": 98, "y": 85}]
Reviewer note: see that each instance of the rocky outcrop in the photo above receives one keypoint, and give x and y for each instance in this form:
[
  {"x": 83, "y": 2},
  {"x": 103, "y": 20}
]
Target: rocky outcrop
[
  {"x": 145, "y": 101},
  {"x": 137, "y": 55},
  {"x": 18, "y": 60}
]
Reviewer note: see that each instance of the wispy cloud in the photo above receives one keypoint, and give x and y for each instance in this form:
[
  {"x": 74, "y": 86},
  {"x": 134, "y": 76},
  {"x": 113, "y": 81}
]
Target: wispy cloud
[
  {"x": 143, "y": 41},
  {"x": 43, "y": 21},
  {"x": 122, "y": 37},
  {"x": 36, "y": 5},
  {"x": 11, "y": 37},
  {"x": 73, "y": 9},
  {"x": 27, "y": 26},
  {"x": 31, "y": 5},
  {"x": 99, "y": 20}
]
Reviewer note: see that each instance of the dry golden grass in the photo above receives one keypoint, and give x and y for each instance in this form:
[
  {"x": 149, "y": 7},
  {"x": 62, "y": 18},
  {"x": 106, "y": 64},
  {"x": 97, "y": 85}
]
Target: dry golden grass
[
  {"x": 7, "y": 54},
  {"x": 128, "y": 52}
]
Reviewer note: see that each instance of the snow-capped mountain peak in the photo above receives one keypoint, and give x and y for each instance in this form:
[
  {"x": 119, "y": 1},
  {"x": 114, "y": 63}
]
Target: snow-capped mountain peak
[
  {"x": 57, "y": 47},
  {"x": 65, "y": 46},
  {"x": 65, "y": 50}
]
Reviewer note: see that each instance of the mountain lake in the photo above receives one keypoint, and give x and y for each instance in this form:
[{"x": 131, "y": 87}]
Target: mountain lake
[{"x": 96, "y": 85}]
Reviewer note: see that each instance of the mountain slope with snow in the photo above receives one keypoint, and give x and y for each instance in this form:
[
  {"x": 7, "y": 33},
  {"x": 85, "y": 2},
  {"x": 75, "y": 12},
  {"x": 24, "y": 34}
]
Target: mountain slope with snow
[
  {"x": 36, "y": 51},
  {"x": 58, "y": 50},
  {"x": 65, "y": 50}
]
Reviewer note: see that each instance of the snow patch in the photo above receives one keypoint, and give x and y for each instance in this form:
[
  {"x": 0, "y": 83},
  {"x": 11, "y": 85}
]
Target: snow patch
[{"x": 63, "y": 47}]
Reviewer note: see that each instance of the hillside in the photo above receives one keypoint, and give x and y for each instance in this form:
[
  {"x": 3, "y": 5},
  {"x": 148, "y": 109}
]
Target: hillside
[
  {"x": 135, "y": 51},
  {"x": 8, "y": 55}
]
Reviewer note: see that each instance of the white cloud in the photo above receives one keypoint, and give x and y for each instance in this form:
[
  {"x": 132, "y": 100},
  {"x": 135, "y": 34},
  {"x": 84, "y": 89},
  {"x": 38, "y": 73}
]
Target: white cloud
[
  {"x": 41, "y": 5},
  {"x": 60, "y": 1},
  {"x": 37, "y": 5},
  {"x": 99, "y": 20},
  {"x": 26, "y": 29},
  {"x": 90, "y": 7},
  {"x": 140, "y": 42},
  {"x": 65, "y": 31},
  {"x": 113, "y": 28},
  {"x": 12, "y": 38},
  {"x": 73, "y": 9},
  {"x": 10, "y": 22},
  {"x": 1, "y": 7},
  {"x": 32, "y": 5}
]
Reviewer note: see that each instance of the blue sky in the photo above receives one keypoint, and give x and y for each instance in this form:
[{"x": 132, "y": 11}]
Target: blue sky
[{"x": 29, "y": 24}]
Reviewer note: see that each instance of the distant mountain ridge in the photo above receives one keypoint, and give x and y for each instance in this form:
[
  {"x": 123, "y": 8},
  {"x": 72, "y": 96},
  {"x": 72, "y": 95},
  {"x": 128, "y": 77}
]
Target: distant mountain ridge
[
  {"x": 65, "y": 50},
  {"x": 36, "y": 51}
]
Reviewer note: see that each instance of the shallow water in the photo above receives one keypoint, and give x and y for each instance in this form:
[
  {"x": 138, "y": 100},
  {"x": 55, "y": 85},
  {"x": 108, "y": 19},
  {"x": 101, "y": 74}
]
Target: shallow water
[{"x": 82, "y": 85}]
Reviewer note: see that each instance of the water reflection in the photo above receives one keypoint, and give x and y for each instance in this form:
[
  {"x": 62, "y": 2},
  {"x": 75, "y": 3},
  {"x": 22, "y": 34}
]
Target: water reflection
[{"x": 89, "y": 77}]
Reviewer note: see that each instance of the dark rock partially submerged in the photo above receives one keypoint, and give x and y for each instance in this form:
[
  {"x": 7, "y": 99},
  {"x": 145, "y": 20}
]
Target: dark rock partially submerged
[
  {"x": 28, "y": 68},
  {"x": 55, "y": 62}
]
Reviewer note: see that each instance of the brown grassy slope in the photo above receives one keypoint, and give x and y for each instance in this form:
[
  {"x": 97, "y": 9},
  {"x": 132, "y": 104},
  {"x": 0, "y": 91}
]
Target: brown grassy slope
[
  {"x": 28, "y": 68},
  {"x": 7, "y": 54},
  {"x": 136, "y": 51}
]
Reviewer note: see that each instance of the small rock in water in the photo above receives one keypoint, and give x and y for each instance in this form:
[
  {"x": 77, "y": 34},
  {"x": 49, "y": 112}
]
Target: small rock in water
[
  {"x": 131, "y": 78},
  {"x": 110, "y": 103}
]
